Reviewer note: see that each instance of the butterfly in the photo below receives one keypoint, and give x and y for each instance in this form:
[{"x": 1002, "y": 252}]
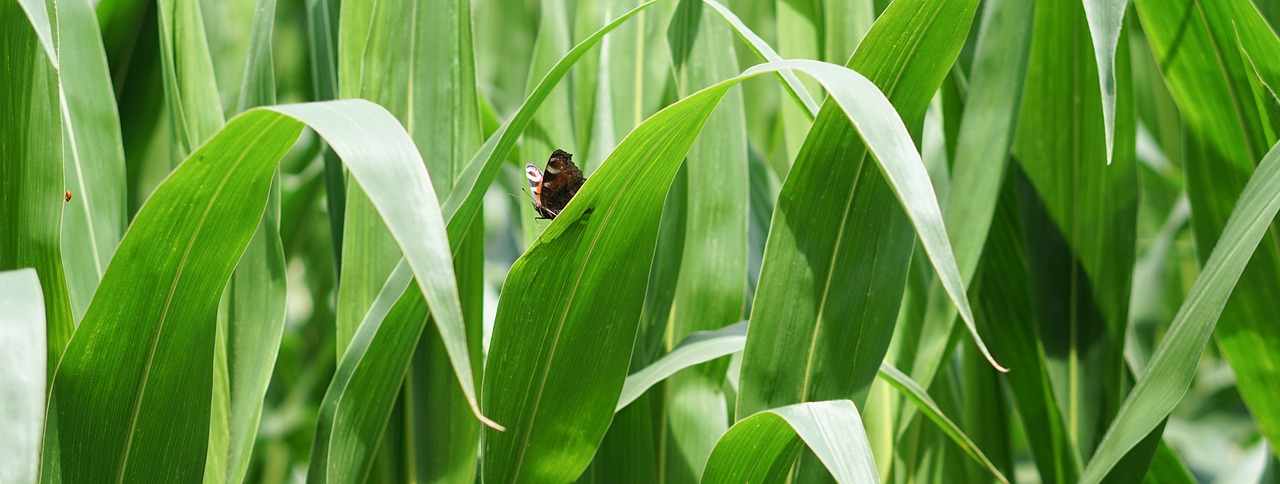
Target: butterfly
[{"x": 553, "y": 188}]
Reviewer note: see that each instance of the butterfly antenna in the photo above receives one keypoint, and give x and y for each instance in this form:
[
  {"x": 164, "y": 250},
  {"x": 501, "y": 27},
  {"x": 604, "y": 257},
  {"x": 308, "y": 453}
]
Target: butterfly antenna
[{"x": 525, "y": 193}]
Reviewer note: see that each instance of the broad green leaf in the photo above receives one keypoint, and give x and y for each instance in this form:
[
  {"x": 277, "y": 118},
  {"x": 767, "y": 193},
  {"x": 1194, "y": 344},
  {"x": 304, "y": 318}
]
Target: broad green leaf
[
  {"x": 440, "y": 434},
  {"x": 1105, "y": 19},
  {"x": 761, "y": 448},
  {"x": 1172, "y": 366},
  {"x": 801, "y": 346},
  {"x": 1231, "y": 121},
  {"x": 1079, "y": 218},
  {"x": 229, "y": 25},
  {"x": 1167, "y": 468},
  {"x": 371, "y": 41},
  {"x": 640, "y": 75},
  {"x": 145, "y": 392},
  {"x": 697, "y": 348},
  {"x": 93, "y": 156},
  {"x": 712, "y": 273},
  {"x": 31, "y": 173},
  {"x": 921, "y": 398},
  {"x": 542, "y": 349},
  {"x": 708, "y": 345},
  {"x": 22, "y": 377}
]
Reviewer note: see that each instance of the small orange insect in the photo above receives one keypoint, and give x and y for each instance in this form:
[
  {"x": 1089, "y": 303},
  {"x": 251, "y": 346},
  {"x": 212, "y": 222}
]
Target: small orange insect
[{"x": 66, "y": 197}]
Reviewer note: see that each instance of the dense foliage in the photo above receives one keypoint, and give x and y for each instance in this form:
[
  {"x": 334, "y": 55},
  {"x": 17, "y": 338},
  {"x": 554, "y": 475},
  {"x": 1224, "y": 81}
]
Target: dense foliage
[{"x": 861, "y": 240}]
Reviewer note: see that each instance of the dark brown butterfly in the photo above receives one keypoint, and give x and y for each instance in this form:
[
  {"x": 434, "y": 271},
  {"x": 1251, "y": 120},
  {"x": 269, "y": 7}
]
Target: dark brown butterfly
[{"x": 553, "y": 188}]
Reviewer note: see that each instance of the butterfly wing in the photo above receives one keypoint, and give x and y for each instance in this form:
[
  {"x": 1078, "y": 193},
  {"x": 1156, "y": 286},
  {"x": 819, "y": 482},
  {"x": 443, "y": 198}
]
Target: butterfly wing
[
  {"x": 561, "y": 181},
  {"x": 553, "y": 188}
]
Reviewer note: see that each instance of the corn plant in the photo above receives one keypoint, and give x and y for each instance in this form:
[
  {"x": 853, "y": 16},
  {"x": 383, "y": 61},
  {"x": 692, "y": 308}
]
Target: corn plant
[{"x": 812, "y": 240}]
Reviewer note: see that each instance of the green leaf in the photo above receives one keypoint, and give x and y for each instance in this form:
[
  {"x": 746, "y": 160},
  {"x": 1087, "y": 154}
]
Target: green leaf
[
  {"x": 22, "y": 378},
  {"x": 1231, "y": 121},
  {"x": 223, "y": 185},
  {"x": 31, "y": 175},
  {"x": 801, "y": 347},
  {"x": 347, "y": 436},
  {"x": 765, "y": 52},
  {"x": 93, "y": 162},
  {"x": 1172, "y": 367},
  {"x": 543, "y": 354},
  {"x": 761, "y": 448},
  {"x": 847, "y": 23}
]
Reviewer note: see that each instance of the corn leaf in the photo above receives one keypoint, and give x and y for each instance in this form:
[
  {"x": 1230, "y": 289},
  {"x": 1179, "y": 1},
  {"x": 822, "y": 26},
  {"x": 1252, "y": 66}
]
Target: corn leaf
[
  {"x": 800, "y": 352},
  {"x": 761, "y": 448},
  {"x": 169, "y": 402}
]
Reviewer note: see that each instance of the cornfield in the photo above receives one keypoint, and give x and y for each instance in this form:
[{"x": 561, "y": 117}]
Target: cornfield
[{"x": 333, "y": 241}]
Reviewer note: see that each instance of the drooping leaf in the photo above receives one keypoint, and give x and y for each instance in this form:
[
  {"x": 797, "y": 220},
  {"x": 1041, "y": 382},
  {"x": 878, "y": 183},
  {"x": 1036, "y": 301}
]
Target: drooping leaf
[
  {"x": 761, "y": 448},
  {"x": 167, "y": 402},
  {"x": 820, "y": 290}
]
